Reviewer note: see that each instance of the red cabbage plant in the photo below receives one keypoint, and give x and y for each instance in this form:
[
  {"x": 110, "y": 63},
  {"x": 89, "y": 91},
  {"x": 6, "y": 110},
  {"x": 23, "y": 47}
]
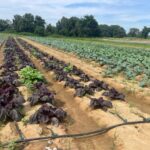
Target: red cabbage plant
[
  {"x": 11, "y": 102},
  {"x": 100, "y": 103},
  {"x": 114, "y": 94},
  {"x": 41, "y": 95},
  {"x": 46, "y": 114}
]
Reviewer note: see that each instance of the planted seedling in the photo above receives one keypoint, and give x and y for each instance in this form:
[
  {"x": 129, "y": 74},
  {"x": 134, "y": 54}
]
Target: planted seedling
[{"x": 68, "y": 68}]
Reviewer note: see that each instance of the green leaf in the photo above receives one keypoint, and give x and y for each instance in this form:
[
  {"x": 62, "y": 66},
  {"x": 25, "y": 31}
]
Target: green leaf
[{"x": 30, "y": 76}]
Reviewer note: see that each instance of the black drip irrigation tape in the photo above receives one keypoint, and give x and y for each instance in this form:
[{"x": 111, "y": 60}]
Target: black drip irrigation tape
[
  {"x": 80, "y": 135},
  {"x": 19, "y": 131}
]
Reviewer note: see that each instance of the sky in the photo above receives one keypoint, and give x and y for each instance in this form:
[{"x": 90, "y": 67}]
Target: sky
[{"x": 127, "y": 13}]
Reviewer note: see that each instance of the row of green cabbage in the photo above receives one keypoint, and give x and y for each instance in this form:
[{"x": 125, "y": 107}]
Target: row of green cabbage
[{"x": 131, "y": 62}]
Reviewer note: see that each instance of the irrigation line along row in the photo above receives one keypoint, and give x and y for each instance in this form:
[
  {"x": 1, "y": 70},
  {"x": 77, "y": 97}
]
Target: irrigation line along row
[
  {"x": 22, "y": 137},
  {"x": 80, "y": 135}
]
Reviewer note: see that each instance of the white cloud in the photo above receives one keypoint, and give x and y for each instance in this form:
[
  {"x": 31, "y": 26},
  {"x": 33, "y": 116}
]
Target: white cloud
[{"x": 121, "y": 12}]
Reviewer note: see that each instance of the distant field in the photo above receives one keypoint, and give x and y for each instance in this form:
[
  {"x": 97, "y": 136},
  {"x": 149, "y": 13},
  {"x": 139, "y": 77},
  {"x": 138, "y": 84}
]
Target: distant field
[
  {"x": 125, "y": 42},
  {"x": 129, "y": 40},
  {"x": 3, "y": 36}
]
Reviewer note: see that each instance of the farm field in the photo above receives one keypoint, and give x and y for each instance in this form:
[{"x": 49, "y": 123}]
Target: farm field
[
  {"x": 74, "y": 76},
  {"x": 117, "y": 65},
  {"x": 133, "y": 64},
  {"x": 120, "y": 42},
  {"x": 50, "y": 91}
]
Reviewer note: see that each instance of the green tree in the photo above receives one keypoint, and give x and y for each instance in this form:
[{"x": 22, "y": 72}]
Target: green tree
[
  {"x": 104, "y": 30},
  {"x": 73, "y": 26},
  {"x": 134, "y": 32},
  {"x": 5, "y": 25},
  {"x": 62, "y": 26},
  {"x": 84, "y": 27},
  {"x": 39, "y": 24},
  {"x": 145, "y": 32},
  {"x": 28, "y": 23},
  {"x": 39, "y": 30},
  {"x": 117, "y": 31},
  {"x": 89, "y": 27},
  {"x": 39, "y": 21},
  {"x": 18, "y": 23},
  {"x": 50, "y": 29}
]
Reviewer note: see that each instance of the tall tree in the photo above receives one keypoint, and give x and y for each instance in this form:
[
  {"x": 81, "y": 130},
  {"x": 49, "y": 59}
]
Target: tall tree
[
  {"x": 39, "y": 21},
  {"x": 117, "y": 31},
  {"x": 40, "y": 30},
  {"x": 62, "y": 26},
  {"x": 73, "y": 26},
  {"x": 84, "y": 27},
  {"x": 5, "y": 25},
  {"x": 18, "y": 23},
  {"x": 145, "y": 32},
  {"x": 104, "y": 30},
  {"x": 28, "y": 23},
  {"x": 89, "y": 27},
  {"x": 134, "y": 32},
  {"x": 39, "y": 24},
  {"x": 50, "y": 29}
]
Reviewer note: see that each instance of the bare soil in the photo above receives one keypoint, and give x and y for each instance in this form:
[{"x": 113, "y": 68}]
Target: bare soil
[{"x": 83, "y": 119}]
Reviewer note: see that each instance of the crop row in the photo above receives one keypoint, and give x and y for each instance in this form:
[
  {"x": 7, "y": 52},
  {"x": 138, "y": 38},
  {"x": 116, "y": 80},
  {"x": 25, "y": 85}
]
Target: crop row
[
  {"x": 18, "y": 68},
  {"x": 131, "y": 62},
  {"x": 67, "y": 73},
  {"x": 11, "y": 100}
]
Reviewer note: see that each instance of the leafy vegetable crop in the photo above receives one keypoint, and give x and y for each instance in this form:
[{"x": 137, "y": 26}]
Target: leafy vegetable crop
[
  {"x": 46, "y": 114},
  {"x": 30, "y": 76},
  {"x": 41, "y": 95},
  {"x": 68, "y": 68},
  {"x": 10, "y": 102},
  {"x": 64, "y": 71},
  {"x": 132, "y": 62},
  {"x": 98, "y": 85},
  {"x": 100, "y": 103},
  {"x": 114, "y": 94}
]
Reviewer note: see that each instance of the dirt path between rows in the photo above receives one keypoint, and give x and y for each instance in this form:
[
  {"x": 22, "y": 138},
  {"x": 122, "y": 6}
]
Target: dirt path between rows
[
  {"x": 134, "y": 95},
  {"x": 85, "y": 119},
  {"x": 78, "y": 121}
]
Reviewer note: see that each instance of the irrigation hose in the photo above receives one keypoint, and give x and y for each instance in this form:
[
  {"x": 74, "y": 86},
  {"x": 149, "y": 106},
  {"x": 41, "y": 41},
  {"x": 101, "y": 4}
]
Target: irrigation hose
[
  {"x": 80, "y": 135},
  {"x": 19, "y": 131}
]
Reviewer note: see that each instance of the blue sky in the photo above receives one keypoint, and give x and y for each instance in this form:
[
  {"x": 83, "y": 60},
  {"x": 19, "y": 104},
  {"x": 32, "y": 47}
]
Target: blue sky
[{"x": 127, "y": 13}]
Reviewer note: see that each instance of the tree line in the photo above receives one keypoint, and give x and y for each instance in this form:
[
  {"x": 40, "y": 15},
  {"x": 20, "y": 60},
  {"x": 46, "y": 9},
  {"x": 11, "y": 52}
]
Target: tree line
[{"x": 86, "y": 26}]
